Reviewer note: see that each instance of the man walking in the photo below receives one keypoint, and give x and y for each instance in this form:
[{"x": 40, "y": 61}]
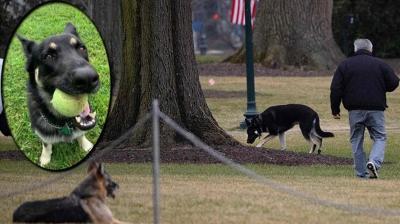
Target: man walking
[{"x": 361, "y": 83}]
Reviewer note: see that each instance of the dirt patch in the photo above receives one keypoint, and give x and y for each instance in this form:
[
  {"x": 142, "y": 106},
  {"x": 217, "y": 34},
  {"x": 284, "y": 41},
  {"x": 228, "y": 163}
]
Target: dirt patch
[
  {"x": 189, "y": 154},
  {"x": 12, "y": 155},
  {"x": 240, "y": 154}
]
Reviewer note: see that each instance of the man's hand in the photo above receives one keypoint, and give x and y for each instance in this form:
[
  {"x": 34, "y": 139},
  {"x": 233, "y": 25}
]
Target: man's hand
[{"x": 336, "y": 116}]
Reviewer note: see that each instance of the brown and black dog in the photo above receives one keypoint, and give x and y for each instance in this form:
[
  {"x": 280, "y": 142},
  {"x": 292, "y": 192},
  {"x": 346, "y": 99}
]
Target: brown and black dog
[{"x": 86, "y": 203}]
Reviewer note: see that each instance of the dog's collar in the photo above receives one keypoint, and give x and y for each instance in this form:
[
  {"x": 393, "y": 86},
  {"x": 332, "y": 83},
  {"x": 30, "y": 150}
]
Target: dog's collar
[{"x": 65, "y": 127}]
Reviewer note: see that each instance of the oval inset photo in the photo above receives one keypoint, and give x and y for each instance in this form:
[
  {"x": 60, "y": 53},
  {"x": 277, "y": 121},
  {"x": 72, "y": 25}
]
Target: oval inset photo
[{"x": 56, "y": 86}]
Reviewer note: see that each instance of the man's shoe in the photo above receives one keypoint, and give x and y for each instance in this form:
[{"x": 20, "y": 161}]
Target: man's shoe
[{"x": 373, "y": 172}]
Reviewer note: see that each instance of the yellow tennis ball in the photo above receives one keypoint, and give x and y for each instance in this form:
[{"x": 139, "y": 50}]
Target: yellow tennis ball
[{"x": 69, "y": 105}]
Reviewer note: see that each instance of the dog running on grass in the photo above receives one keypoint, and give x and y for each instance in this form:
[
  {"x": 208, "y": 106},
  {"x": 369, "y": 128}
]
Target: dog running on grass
[
  {"x": 86, "y": 203},
  {"x": 276, "y": 120},
  {"x": 59, "y": 64}
]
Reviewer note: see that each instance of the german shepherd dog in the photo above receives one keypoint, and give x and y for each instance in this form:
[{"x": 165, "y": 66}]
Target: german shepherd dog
[
  {"x": 86, "y": 203},
  {"x": 60, "y": 62},
  {"x": 276, "y": 120}
]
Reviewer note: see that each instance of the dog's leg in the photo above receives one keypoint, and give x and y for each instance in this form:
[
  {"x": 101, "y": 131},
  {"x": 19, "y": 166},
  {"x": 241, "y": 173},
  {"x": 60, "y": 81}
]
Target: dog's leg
[
  {"x": 45, "y": 157},
  {"x": 316, "y": 141},
  {"x": 98, "y": 212},
  {"x": 84, "y": 143},
  {"x": 320, "y": 145},
  {"x": 265, "y": 140},
  {"x": 313, "y": 146},
  {"x": 282, "y": 140}
]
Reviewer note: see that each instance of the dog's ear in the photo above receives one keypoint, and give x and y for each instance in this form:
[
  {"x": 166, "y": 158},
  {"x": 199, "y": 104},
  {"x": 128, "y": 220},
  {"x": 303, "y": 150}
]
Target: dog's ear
[
  {"x": 96, "y": 168},
  {"x": 69, "y": 28},
  {"x": 27, "y": 45},
  {"x": 93, "y": 166},
  {"x": 100, "y": 169}
]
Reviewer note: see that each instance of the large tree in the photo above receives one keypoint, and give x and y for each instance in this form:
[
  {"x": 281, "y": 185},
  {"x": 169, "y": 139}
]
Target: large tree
[
  {"x": 294, "y": 33},
  {"x": 150, "y": 50}
]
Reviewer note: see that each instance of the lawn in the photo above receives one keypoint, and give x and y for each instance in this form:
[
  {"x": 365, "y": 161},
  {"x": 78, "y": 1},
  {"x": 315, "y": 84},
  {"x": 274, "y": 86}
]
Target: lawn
[
  {"x": 38, "y": 26},
  {"x": 217, "y": 194}
]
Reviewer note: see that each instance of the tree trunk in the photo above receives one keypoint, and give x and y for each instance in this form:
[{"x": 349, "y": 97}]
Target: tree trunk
[
  {"x": 157, "y": 63},
  {"x": 12, "y": 12},
  {"x": 291, "y": 33}
]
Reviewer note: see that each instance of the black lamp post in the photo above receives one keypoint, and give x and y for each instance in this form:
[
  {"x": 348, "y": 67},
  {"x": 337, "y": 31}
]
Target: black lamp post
[{"x": 251, "y": 96}]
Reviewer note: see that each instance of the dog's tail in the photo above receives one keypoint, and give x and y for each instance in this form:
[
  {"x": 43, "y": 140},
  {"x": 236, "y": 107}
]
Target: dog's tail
[{"x": 323, "y": 134}]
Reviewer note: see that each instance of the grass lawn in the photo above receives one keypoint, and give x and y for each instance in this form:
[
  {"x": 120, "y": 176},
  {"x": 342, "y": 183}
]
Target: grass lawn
[
  {"x": 204, "y": 59},
  {"x": 38, "y": 26},
  {"x": 216, "y": 194}
]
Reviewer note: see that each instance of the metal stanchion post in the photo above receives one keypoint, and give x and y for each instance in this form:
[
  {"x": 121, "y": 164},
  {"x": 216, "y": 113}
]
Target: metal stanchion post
[{"x": 156, "y": 163}]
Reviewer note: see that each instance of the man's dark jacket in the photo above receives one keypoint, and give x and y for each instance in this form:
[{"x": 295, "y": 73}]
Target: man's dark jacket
[{"x": 361, "y": 82}]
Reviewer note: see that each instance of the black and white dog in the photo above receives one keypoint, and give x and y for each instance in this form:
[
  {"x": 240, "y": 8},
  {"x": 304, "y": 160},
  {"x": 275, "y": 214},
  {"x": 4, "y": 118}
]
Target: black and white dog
[
  {"x": 276, "y": 120},
  {"x": 60, "y": 62}
]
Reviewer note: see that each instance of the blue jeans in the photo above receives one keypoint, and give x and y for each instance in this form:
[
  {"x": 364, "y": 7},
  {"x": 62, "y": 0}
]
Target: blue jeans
[{"x": 374, "y": 121}]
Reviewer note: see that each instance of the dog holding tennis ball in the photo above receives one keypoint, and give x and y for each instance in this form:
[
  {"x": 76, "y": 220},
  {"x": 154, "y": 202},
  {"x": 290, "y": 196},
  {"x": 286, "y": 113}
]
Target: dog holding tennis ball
[{"x": 60, "y": 80}]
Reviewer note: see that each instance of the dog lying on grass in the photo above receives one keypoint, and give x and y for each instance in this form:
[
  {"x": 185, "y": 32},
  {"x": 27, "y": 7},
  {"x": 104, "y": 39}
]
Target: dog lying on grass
[
  {"x": 276, "y": 120},
  {"x": 86, "y": 203}
]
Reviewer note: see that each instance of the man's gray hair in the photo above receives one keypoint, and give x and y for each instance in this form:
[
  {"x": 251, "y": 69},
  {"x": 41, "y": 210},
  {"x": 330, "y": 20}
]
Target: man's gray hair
[{"x": 364, "y": 44}]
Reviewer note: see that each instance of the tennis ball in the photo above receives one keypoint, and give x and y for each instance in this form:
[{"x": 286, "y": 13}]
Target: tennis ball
[{"x": 69, "y": 105}]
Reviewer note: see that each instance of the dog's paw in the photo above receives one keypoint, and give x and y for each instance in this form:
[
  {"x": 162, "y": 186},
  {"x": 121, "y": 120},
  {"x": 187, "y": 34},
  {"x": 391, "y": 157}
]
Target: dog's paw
[
  {"x": 259, "y": 146},
  {"x": 44, "y": 159},
  {"x": 87, "y": 146}
]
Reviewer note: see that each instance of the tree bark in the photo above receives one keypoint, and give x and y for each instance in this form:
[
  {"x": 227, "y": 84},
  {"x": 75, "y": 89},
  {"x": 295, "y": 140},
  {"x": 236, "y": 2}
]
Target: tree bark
[
  {"x": 158, "y": 63},
  {"x": 12, "y": 12},
  {"x": 296, "y": 33}
]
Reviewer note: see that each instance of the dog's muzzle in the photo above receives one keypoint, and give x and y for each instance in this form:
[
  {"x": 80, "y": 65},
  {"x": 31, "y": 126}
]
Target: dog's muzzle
[
  {"x": 85, "y": 79},
  {"x": 111, "y": 188},
  {"x": 252, "y": 139}
]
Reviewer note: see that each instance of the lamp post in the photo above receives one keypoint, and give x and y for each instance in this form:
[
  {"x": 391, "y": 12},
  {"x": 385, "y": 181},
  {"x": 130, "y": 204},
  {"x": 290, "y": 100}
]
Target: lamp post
[{"x": 251, "y": 96}]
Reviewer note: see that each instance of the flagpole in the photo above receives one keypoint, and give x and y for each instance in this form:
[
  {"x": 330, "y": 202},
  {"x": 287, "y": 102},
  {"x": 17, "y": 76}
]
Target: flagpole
[{"x": 251, "y": 98}]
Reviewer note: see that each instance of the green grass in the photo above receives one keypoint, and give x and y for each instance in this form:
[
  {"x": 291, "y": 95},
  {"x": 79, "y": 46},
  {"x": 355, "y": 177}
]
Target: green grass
[
  {"x": 43, "y": 22},
  {"x": 215, "y": 193}
]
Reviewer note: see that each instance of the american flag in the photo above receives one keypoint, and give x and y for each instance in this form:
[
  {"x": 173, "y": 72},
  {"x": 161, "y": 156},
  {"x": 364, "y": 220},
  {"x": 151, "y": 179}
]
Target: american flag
[{"x": 237, "y": 12}]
